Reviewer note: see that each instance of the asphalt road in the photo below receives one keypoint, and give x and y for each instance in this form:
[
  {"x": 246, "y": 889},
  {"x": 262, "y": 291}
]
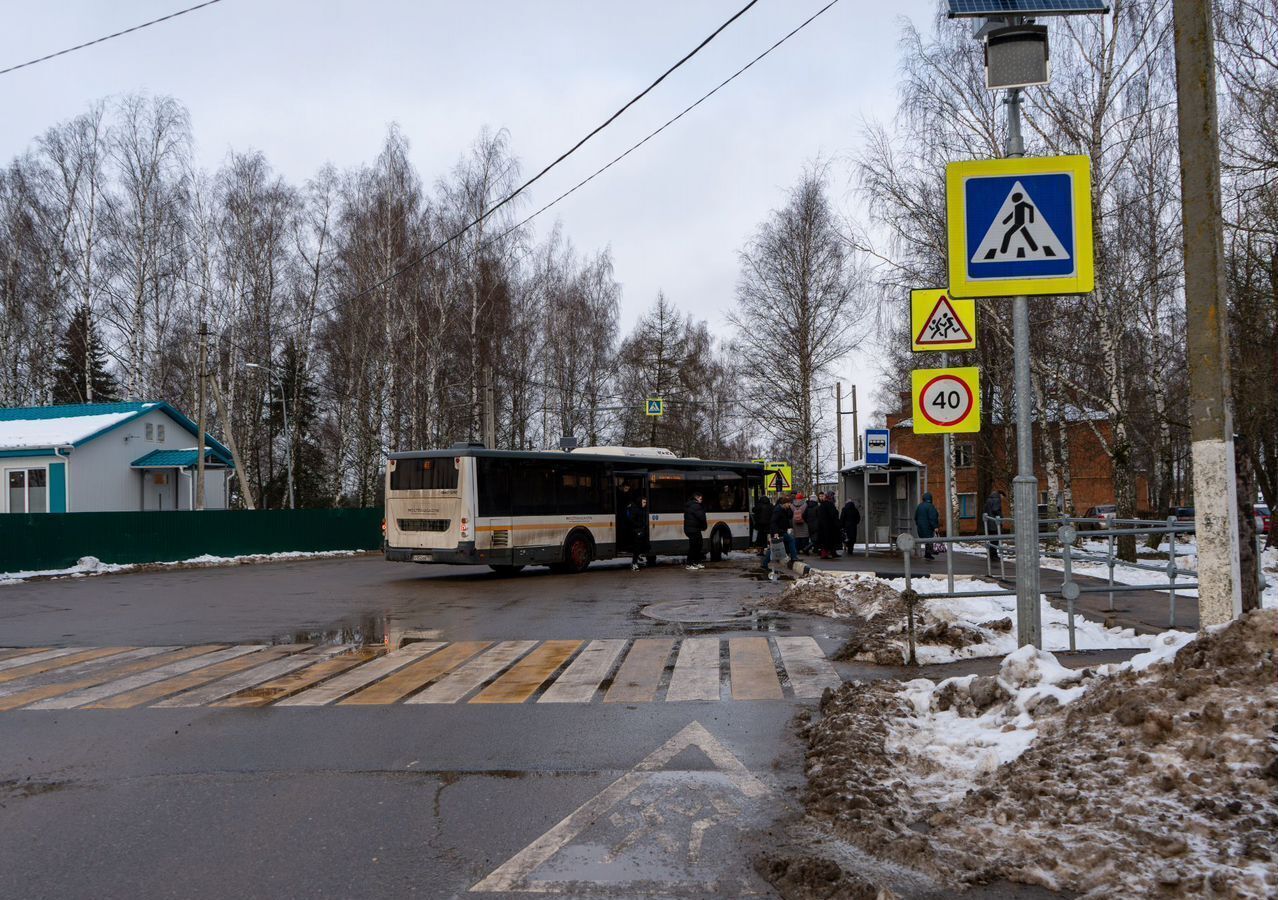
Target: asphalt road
[{"x": 585, "y": 799}]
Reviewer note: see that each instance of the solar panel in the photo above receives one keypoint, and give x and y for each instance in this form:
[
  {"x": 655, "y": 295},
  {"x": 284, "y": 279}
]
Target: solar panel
[{"x": 997, "y": 8}]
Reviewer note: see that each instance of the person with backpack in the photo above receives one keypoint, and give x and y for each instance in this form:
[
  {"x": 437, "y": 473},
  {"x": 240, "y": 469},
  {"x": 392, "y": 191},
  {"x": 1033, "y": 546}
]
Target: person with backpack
[
  {"x": 927, "y": 520},
  {"x": 800, "y": 525},
  {"x": 640, "y": 543}
]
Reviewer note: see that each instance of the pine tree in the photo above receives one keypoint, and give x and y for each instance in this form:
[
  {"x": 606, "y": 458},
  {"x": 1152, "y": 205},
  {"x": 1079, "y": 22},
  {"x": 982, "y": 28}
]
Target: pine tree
[{"x": 80, "y": 374}]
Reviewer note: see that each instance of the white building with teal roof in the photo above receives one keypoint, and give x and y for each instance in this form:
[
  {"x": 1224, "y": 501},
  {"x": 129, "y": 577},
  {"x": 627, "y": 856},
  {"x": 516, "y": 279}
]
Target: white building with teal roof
[{"x": 106, "y": 457}]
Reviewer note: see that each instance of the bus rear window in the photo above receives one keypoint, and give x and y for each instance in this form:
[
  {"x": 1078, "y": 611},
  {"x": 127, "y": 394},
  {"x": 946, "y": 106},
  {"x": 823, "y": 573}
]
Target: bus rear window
[{"x": 432, "y": 474}]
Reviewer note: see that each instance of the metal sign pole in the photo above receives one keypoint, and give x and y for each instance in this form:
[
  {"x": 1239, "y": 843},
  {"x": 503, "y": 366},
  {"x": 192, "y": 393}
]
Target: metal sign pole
[
  {"x": 948, "y": 450},
  {"x": 1025, "y": 484}
]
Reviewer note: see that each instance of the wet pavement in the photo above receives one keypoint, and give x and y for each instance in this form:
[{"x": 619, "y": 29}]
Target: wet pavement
[{"x": 355, "y": 728}]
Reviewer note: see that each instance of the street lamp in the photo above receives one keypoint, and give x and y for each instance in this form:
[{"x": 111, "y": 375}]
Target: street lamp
[{"x": 288, "y": 437}]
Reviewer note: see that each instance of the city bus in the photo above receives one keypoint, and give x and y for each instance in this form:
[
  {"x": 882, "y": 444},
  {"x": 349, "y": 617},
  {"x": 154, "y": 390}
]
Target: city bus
[{"x": 511, "y": 508}]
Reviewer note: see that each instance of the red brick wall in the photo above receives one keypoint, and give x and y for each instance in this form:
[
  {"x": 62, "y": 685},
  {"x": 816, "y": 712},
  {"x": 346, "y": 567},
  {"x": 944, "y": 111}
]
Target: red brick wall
[{"x": 1091, "y": 468}]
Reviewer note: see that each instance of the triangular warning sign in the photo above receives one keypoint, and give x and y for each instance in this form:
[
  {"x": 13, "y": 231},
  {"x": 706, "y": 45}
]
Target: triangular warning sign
[
  {"x": 1019, "y": 232},
  {"x": 943, "y": 327},
  {"x": 653, "y": 806},
  {"x": 778, "y": 482}
]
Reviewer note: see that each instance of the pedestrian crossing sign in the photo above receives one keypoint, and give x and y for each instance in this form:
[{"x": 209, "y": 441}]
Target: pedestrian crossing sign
[
  {"x": 655, "y": 406},
  {"x": 940, "y": 322},
  {"x": 1020, "y": 226},
  {"x": 778, "y": 476}
]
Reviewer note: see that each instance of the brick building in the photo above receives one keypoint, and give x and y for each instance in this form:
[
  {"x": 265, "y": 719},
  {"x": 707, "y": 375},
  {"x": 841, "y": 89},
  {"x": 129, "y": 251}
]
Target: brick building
[{"x": 987, "y": 460}]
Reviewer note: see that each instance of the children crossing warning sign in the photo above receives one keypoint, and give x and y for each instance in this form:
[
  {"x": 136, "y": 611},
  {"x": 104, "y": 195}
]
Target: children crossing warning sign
[
  {"x": 940, "y": 322},
  {"x": 1020, "y": 226},
  {"x": 947, "y": 400}
]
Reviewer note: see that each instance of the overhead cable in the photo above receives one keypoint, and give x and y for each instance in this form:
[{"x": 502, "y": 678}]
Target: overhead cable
[{"x": 173, "y": 15}]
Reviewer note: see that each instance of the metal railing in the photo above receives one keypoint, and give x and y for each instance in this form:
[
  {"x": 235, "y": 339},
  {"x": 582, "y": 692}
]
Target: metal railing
[{"x": 1066, "y": 533}]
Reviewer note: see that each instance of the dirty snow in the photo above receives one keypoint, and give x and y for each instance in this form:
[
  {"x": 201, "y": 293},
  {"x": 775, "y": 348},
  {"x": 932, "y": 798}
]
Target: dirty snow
[
  {"x": 91, "y": 565},
  {"x": 947, "y": 629},
  {"x": 1155, "y": 777}
]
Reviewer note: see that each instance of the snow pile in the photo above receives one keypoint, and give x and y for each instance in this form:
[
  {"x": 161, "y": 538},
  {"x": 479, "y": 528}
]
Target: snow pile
[
  {"x": 946, "y": 629},
  {"x": 1155, "y": 777},
  {"x": 91, "y": 565}
]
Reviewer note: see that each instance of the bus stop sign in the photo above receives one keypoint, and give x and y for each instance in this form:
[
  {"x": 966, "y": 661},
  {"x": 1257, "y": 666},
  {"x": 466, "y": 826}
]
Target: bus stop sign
[
  {"x": 1020, "y": 226},
  {"x": 877, "y": 447}
]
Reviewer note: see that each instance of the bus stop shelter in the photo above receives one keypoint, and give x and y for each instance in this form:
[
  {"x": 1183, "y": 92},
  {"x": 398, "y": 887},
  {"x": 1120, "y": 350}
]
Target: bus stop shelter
[{"x": 886, "y": 496}]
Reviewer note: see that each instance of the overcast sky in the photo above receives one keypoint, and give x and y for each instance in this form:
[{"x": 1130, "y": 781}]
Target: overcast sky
[{"x": 315, "y": 81}]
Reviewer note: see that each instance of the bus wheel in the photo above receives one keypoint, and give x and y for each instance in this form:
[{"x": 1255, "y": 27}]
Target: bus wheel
[
  {"x": 720, "y": 543},
  {"x": 577, "y": 554},
  {"x": 505, "y": 570}
]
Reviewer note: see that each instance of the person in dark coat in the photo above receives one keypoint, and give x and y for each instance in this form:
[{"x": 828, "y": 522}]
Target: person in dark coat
[
  {"x": 828, "y": 531},
  {"x": 761, "y": 519},
  {"x": 927, "y": 520},
  {"x": 640, "y": 542},
  {"x": 994, "y": 508},
  {"x": 781, "y": 529},
  {"x": 851, "y": 521},
  {"x": 694, "y": 523}
]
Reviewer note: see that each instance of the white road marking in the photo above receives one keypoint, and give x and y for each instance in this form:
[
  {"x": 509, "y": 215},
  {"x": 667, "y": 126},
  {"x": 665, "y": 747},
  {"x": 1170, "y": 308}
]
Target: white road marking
[
  {"x": 696, "y": 671},
  {"x": 580, "y": 681},
  {"x": 348, "y": 682},
  {"x": 103, "y": 662},
  {"x": 233, "y": 684},
  {"x": 461, "y": 682},
  {"x": 16, "y": 661},
  {"x": 810, "y": 672},
  {"x": 514, "y": 874},
  {"x": 119, "y": 686}
]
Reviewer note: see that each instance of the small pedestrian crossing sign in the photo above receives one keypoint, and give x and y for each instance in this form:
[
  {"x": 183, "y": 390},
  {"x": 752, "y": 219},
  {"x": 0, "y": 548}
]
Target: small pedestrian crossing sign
[
  {"x": 940, "y": 322},
  {"x": 1020, "y": 226},
  {"x": 655, "y": 406}
]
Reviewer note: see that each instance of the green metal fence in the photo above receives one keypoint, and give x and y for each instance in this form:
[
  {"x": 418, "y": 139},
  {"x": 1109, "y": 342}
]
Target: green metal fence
[{"x": 51, "y": 541}]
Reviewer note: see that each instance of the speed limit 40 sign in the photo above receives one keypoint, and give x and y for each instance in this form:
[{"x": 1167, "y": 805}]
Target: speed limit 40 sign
[{"x": 947, "y": 400}]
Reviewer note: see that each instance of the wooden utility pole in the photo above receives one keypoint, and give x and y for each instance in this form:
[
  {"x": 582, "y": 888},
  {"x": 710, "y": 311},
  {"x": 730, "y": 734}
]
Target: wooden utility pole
[
  {"x": 245, "y": 488},
  {"x": 490, "y": 410},
  {"x": 201, "y": 423},
  {"x": 1207, "y": 328}
]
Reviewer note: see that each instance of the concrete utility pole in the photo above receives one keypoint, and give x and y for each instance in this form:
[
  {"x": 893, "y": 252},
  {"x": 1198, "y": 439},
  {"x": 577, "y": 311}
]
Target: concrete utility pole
[
  {"x": 490, "y": 410},
  {"x": 200, "y": 416},
  {"x": 838, "y": 452},
  {"x": 1025, "y": 484},
  {"x": 1207, "y": 327}
]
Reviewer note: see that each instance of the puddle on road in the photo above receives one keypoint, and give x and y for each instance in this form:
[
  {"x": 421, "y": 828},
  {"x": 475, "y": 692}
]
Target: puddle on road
[{"x": 382, "y": 631}]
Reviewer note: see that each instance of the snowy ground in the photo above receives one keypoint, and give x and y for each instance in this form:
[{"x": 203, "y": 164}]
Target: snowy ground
[
  {"x": 947, "y": 629},
  {"x": 1156, "y": 777},
  {"x": 91, "y": 565}
]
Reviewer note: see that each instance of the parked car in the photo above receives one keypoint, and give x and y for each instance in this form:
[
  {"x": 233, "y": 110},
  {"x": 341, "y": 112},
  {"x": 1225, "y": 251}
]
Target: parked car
[
  {"x": 1184, "y": 514},
  {"x": 1262, "y": 517},
  {"x": 1107, "y": 513}
]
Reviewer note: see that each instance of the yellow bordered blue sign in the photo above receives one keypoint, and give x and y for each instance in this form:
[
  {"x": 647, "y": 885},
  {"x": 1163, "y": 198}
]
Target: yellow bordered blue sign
[
  {"x": 654, "y": 406},
  {"x": 1020, "y": 226}
]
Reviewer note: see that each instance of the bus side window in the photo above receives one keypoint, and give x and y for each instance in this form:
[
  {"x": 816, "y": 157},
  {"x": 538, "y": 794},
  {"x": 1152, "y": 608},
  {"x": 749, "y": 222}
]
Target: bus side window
[
  {"x": 666, "y": 492},
  {"x": 494, "y": 486},
  {"x": 533, "y": 491},
  {"x": 578, "y": 491}
]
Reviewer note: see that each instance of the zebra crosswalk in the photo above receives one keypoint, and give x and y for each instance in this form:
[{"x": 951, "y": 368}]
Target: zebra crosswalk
[{"x": 624, "y": 671}]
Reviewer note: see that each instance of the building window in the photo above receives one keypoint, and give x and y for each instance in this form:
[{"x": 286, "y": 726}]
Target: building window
[
  {"x": 159, "y": 433},
  {"x": 967, "y": 505},
  {"x": 962, "y": 456},
  {"x": 150, "y": 431},
  {"x": 28, "y": 490}
]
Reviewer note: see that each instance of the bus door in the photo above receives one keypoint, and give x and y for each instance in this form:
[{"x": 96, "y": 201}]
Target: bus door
[{"x": 628, "y": 488}]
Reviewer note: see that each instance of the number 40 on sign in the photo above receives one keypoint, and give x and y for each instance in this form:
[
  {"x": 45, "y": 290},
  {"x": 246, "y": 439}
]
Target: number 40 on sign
[{"x": 947, "y": 400}]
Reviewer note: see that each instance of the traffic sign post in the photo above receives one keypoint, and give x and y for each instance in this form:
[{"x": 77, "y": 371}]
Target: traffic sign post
[
  {"x": 1020, "y": 226},
  {"x": 655, "y": 406},
  {"x": 941, "y": 322},
  {"x": 946, "y": 401}
]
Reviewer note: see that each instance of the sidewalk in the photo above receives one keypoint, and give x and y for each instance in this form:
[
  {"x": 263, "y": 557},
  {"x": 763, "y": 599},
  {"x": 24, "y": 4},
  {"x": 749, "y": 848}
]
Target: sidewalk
[{"x": 1146, "y": 611}]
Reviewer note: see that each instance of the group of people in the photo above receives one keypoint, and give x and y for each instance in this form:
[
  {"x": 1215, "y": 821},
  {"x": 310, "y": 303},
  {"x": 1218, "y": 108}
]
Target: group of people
[
  {"x": 804, "y": 525},
  {"x": 694, "y": 523}
]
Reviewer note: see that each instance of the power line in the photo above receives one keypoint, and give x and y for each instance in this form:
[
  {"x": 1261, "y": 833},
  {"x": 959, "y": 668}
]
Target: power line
[
  {"x": 517, "y": 191},
  {"x": 706, "y": 96},
  {"x": 173, "y": 15}
]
